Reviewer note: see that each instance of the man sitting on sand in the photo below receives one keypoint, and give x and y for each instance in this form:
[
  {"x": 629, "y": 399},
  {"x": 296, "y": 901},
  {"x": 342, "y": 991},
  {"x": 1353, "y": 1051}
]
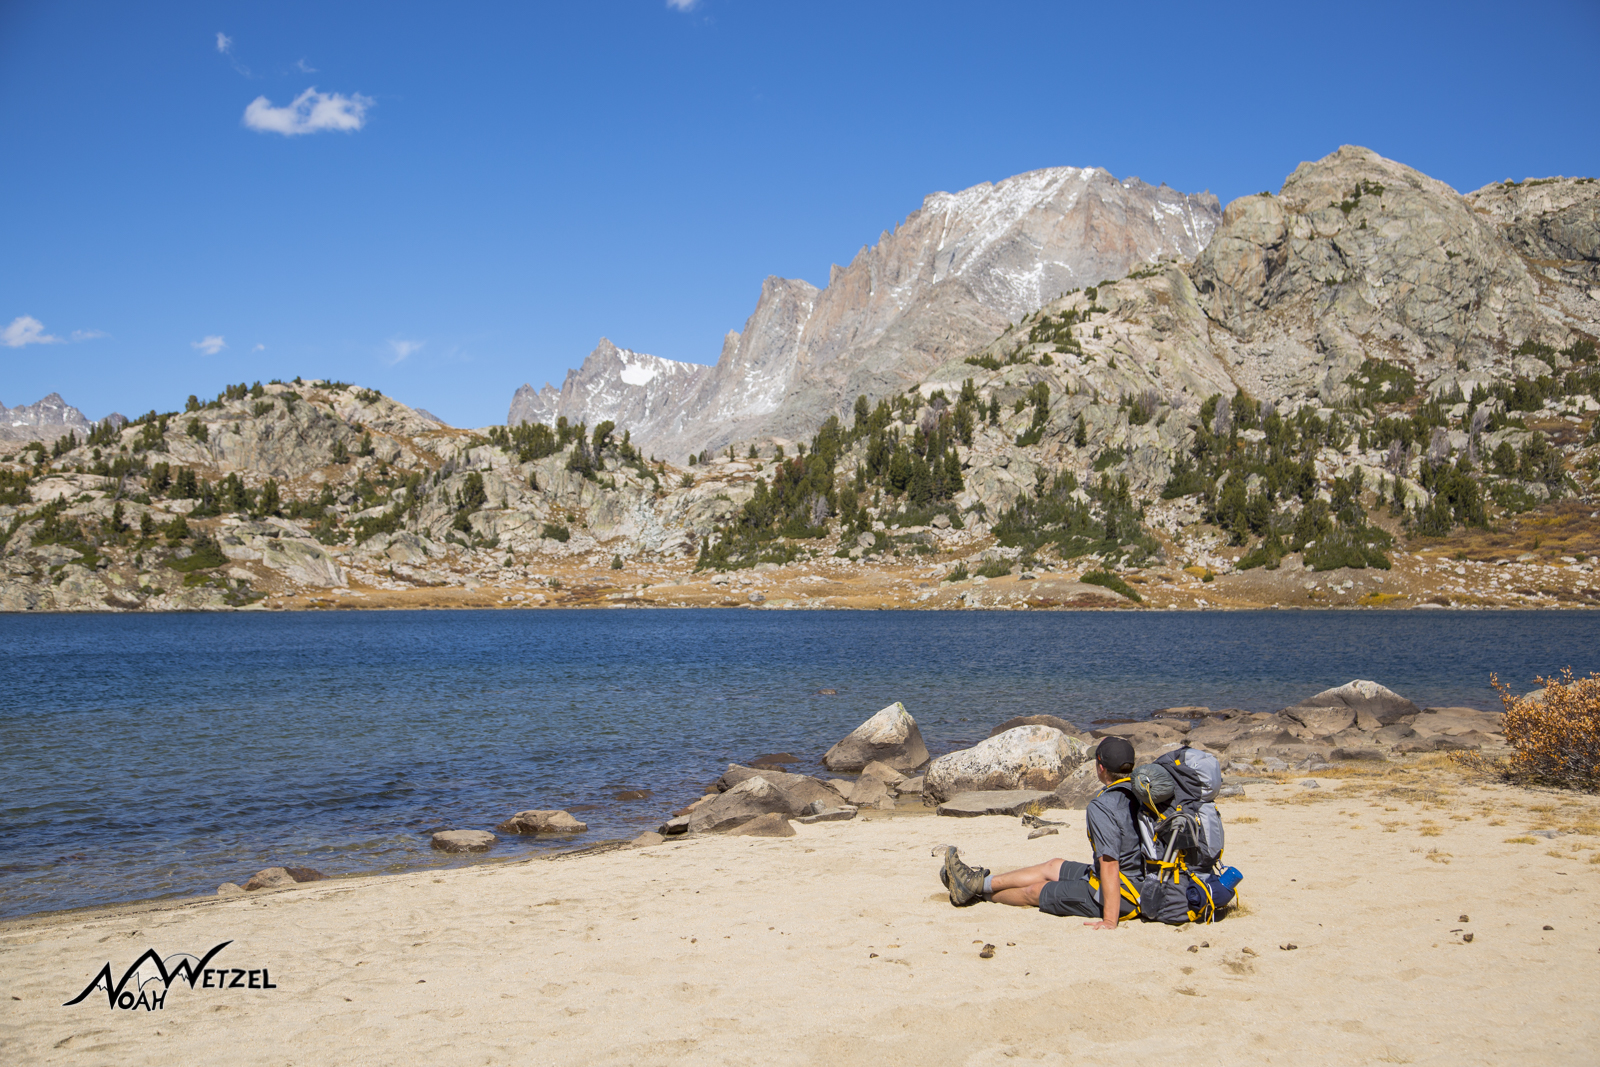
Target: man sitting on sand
[{"x": 1062, "y": 887}]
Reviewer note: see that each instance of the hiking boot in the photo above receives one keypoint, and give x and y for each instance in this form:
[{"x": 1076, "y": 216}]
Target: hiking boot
[{"x": 964, "y": 883}]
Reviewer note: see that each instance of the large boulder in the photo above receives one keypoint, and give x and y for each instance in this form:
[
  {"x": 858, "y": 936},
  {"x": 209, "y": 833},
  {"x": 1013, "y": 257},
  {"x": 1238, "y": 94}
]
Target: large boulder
[
  {"x": 1028, "y": 757},
  {"x": 542, "y": 822},
  {"x": 1077, "y": 788},
  {"x": 891, "y": 736},
  {"x": 1385, "y": 705},
  {"x": 750, "y": 798}
]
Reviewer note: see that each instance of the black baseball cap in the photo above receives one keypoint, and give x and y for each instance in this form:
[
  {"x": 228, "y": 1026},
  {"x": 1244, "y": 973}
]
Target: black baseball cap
[{"x": 1115, "y": 754}]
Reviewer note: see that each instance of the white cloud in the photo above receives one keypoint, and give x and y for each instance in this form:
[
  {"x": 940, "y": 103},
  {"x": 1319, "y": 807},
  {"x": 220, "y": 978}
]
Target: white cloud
[
  {"x": 224, "y": 43},
  {"x": 305, "y": 68},
  {"x": 311, "y": 111},
  {"x": 683, "y": 5},
  {"x": 209, "y": 346},
  {"x": 403, "y": 349},
  {"x": 26, "y": 330},
  {"x": 259, "y": 348},
  {"x": 88, "y": 335}
]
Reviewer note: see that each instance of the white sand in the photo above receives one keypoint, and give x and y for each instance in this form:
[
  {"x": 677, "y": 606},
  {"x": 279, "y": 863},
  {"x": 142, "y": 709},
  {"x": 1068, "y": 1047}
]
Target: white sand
[{"x": 744, "y": 950}]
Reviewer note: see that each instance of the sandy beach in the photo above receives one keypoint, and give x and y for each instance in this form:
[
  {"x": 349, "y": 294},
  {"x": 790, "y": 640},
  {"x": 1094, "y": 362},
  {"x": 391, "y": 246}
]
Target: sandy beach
[{"x": 838, "y": 947}]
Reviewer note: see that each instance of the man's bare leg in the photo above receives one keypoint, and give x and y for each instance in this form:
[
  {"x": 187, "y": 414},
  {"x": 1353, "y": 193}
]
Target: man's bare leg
[{"x": 1020, "y": 888}]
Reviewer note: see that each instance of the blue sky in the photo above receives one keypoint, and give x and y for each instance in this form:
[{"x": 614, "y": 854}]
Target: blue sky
[{"x": 469, "y": 195}]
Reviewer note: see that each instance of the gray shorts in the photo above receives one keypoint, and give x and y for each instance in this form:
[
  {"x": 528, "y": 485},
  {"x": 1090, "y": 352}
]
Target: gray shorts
[{"x": 1070, "y": 894}]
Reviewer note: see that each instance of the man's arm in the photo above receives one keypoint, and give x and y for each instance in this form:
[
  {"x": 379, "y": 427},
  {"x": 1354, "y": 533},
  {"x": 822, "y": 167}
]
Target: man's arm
[{"x": 1110, "y": 894}]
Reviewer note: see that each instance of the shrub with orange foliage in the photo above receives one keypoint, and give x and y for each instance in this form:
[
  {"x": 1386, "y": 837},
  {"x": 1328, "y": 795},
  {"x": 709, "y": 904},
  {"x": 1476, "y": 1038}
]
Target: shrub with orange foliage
[{"x": 1557, "y": 740}]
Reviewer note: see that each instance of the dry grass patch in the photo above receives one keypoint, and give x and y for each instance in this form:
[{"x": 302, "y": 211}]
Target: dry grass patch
[
  {"x": 1244, "y": 818},
  {"x": 1522, "y": 840},
  {"x": 1556, "y": 739}
]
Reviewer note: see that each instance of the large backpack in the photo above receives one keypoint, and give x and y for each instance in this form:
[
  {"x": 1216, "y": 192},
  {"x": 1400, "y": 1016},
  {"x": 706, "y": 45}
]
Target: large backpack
[
  {"x": 1177, "y": 801},
  {"x": 1181, "y": 833}
]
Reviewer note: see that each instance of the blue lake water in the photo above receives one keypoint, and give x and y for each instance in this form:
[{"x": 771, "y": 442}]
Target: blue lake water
[{"x": 149, "y": 756}]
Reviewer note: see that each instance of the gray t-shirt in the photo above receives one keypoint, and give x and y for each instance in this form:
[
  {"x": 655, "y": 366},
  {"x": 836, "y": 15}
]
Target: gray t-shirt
[{"x": 1114, "y": 831}]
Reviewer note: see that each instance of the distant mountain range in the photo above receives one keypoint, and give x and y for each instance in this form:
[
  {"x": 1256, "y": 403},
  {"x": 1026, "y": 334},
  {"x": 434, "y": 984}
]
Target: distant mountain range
[
  {"x": 45, "y": 420},
  {"x": 952, "y": 276}
]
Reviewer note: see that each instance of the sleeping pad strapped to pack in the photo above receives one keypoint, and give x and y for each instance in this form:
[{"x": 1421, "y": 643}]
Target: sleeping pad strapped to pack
[{"x": 1182, "y": 836}]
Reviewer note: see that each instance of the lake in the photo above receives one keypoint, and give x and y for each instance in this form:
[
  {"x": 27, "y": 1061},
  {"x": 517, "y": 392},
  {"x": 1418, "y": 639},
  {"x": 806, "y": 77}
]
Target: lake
[{"x": 150, "y": 755}]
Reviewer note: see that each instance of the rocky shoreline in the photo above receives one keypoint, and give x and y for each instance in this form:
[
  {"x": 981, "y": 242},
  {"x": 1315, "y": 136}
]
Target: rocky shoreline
[{"x": 1026, "y": 766}]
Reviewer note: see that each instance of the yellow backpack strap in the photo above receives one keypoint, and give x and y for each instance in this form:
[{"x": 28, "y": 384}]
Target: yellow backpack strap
[{"x": 1130, "y": 892}]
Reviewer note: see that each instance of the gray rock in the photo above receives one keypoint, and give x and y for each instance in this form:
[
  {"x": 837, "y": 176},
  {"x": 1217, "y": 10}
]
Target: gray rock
[
  {"x": 772, "y": 824},
  {"x": 542, "y": 822},
  {"x": 994, "y": 802},
  {"x": 890, "y": 737},
  {"x": 1028, "y": 757},
  {"x": 1143, "y": 734},
  {"x": 1217, "y": 736},
  {"x": 463, "y": 840},
  {"x": 871, "y": 793},
  {"x": 798, "y": 789},
  {"x": 675, "y": 826},
  {"x": 1382, "y": 704},
  {"x": 646, "y": 839},
  {"x": 752, "y": 797},
  {"x": 839, "y": 814},
  {"x": 884, "y": 773},
  {"x": 910, "y": 785},
  {"x": 1230, "y": 790},
  {"x": 1185, "y": 711},
  {"x": 1311, "y": 783},
  {"x": 1043, "y": 831},
  {"x": 229, "y": 889},
  {"x": 1452, "y": 722},
  {"x": 1393, "y": 735},
  {"x": 1361, "y": 754},
  {"x": 1078, "y": 788},
  {"x": 1322, "y": 721},
  {"x": 269, "y": 878}
]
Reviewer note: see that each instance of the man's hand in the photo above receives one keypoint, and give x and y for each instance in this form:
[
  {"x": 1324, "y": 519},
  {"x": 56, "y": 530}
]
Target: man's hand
[{"x": 1101, "y": 925}]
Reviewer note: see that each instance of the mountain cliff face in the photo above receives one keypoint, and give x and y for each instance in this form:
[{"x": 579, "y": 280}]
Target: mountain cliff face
[
  {"x": 48, "y": 419},
  {"x": 949, "y": 278},
  {"x": 1359, "y": 256}
]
